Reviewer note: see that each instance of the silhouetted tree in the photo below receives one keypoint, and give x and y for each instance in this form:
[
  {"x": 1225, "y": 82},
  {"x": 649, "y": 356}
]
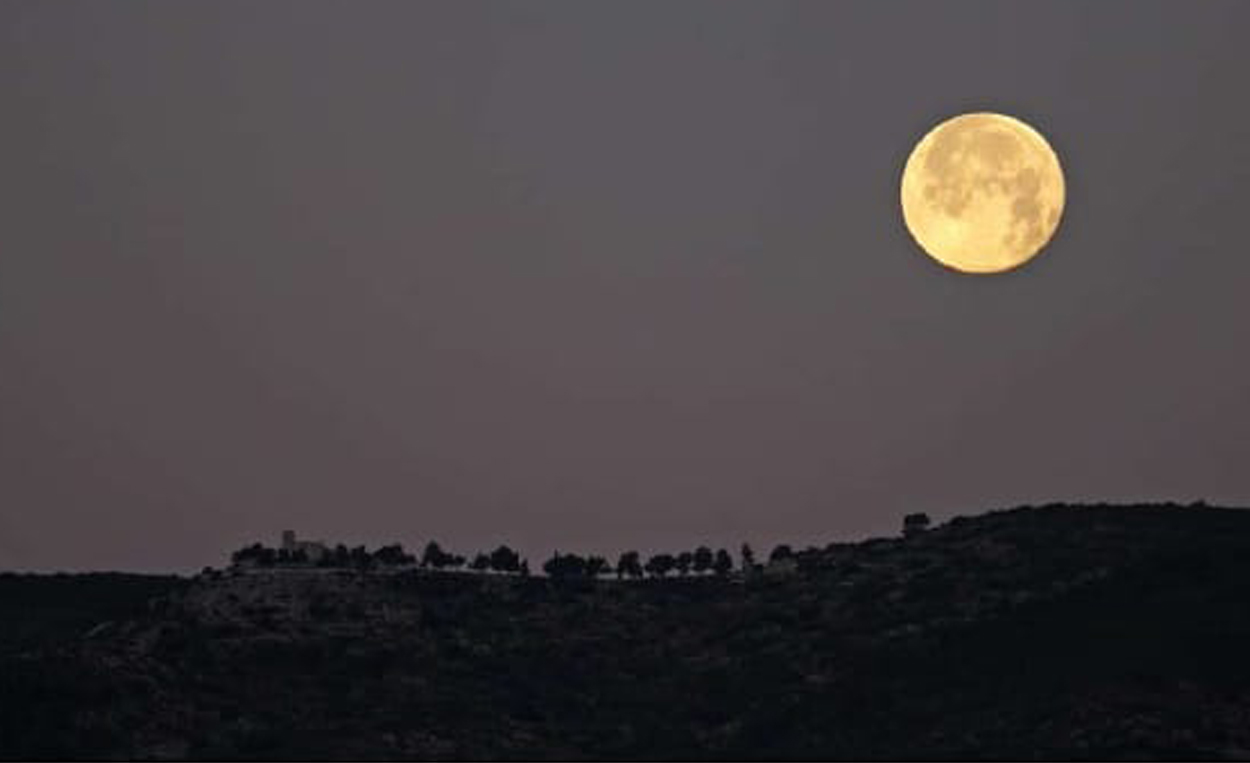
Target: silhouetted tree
[
  {"x": 723, "y": 563},
  {"x": 246, "y": 554},
  {"x": 561, "y": 566},
  {"x": 683, "y": 561},
  {"x": 574, "y": 565},
  {"x": 504, "y": 559},
  {"x": 525, "y": 568},
  {"x": 342, "y": 557},
  {"x": 703, "y": 559},
  {"x": 914, "y": 524},
  {"x": 596, "y": 566},
  {"x": 361, "y": 557},
  {"x": 480, "y": 563},
  {"x": 434, "y": 556},
  {"x": 748, "y": 558},
  {"x": 781, "y": 552},
  {"x": 660, "y": 565},
  {"x": 454, "y": 561},
  {"x": 629, "y": 564},
  {"x": 392, "y": 555}
]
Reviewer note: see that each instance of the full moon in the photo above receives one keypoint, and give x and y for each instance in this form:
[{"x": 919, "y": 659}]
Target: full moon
[{"x": 982, "y": 193}]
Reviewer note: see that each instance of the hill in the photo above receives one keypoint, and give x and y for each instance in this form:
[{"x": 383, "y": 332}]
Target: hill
[{"x": 1057, "y": 632}]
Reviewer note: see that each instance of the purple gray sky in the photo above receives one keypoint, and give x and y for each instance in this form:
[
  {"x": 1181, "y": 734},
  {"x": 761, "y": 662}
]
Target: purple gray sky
[{"x": 592, "y": 276}]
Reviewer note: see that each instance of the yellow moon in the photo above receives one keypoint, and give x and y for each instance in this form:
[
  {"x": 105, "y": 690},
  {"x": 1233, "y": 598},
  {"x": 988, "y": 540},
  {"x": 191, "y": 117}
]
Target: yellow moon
[{"x": 982, "y": 193}]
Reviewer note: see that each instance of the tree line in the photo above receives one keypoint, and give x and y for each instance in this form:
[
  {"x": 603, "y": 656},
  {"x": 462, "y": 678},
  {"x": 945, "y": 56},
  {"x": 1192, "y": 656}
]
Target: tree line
[{"x": 504, "y": 560}]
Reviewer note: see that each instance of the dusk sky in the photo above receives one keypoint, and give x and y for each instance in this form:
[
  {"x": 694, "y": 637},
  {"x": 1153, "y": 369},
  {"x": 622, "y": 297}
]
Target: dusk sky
[{"x": 596, "y": 276}]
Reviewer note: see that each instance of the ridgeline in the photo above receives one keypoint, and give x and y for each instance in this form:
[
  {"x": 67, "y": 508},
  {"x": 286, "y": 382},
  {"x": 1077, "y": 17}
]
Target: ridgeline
[{"x": 1057, "y": 632}]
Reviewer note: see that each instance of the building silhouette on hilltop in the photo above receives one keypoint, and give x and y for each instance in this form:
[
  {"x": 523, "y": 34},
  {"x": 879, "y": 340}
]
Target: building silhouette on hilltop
[{"x": 312, "y": 550}]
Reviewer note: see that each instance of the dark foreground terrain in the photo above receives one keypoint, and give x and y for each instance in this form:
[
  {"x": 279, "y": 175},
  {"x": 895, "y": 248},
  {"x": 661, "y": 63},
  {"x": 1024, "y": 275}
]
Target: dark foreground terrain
[{"x": 1058, "y": 632}]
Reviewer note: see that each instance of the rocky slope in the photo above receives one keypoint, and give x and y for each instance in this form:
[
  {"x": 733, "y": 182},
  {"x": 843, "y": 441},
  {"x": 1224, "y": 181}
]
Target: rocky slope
[{"x": 1058, "y": 632}]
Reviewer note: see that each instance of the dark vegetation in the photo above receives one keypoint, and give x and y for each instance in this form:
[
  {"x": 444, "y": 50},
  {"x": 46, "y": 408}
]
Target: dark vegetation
[
  {"x": 1054, "y": 632},
  {"x": 40, "y": 616},
  {"x": 502, "y": 560}
]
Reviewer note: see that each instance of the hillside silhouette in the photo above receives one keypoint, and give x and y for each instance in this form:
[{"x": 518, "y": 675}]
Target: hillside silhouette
[{"x": 1059, "y": 631}]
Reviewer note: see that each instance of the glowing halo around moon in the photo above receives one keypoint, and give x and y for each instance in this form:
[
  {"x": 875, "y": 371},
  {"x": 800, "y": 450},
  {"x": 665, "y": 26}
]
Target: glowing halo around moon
[{"x": 982, "y": 193}]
